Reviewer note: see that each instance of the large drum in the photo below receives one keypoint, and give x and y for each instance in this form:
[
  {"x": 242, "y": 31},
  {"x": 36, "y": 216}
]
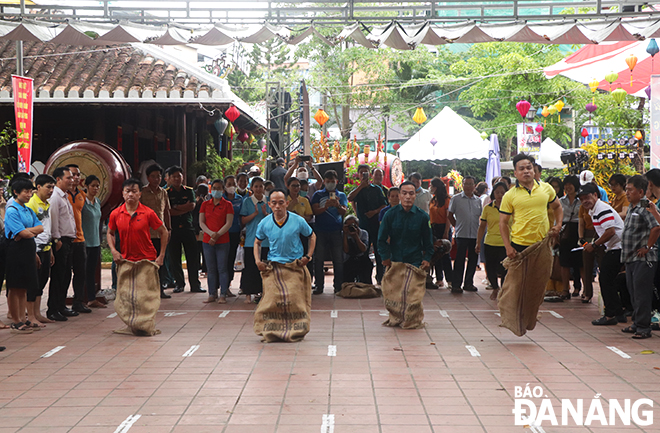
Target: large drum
[
  {"x": 390, "y": 164},
  {"x": 99, "y": 159}
]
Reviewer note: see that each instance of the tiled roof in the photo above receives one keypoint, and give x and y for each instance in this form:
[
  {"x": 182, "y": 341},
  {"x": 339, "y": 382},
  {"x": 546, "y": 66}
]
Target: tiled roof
[{"x": 99, "y": 72}]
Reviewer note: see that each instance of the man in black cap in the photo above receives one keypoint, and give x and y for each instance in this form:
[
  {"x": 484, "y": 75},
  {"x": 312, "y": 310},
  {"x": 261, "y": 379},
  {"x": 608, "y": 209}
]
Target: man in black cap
[{"x": 277, "y": 175}]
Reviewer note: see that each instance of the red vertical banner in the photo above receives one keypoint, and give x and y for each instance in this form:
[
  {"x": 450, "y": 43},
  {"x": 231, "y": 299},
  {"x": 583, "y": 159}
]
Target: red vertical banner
[{"x": 22, "y": 88}]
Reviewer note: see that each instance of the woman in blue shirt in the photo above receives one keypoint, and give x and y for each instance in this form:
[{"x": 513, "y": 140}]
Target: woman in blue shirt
[
  {"x": 91, "y": 225},
  {"x": 254, "y": 209},
  {"x": 21, "y": 227}
]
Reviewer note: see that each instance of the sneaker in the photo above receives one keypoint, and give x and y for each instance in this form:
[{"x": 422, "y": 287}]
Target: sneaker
[
  {"x": 108, "y": 294},
  {"x": 470, "y": 288},
  {"x": 485, "y": 281},
  {"x": 604, "y": 321}
]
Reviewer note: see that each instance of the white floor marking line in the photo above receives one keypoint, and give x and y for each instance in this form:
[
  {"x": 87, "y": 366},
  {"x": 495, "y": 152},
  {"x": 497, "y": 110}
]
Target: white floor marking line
[
  {"x": 52, "y": 352},
  {"x": 127, "y": 423},
  {"x": 557, "y": 315},
  {"x": 443, "y": 313},
  {"x": 332, "y": 350},
  {"x": 190, "y": 351},
  {"x": 328, "y": 425},
  {"x": 621, "y": 353},
  {"x": 224, "y": 313},
  {"x": 112, "y": 315},
  {"x": 173, "y": 314},
  {"x": 333, "y": 314},
  {"x": 383, "y": 313},
  {"x": 473, "y": 351}
]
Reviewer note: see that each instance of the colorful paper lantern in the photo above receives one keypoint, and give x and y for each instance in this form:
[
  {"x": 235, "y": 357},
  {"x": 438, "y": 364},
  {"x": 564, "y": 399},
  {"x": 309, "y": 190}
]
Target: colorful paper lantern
[
  {"x": 648, "y": 92},
  {"x": 243, "y": 136},
  {"x": 539, "y": 128},
  {"x": 420, "y": 116},
  {"x": 433, "y": 141},
  {"x": 619, "y": 95},
  {"x": 396, "y": 146},
  {"x": 552, "y": 110},
  {"x": 232, "y": 113},
  {"x": 638, "y": 135},
  {"x": 545, "y": 113},
  {"x": 591, "y": 108},
  {"x": 523, "y": 107},
  {"x": 584, "y": 134},
  {"x": 611, "y": 77},
  {"x": 539, "y": 112},
  {"x": 631, "y": 61},
  {"x": 484, "y": 135},
  {"x": 593, "y": 85},
  {"x": 321, "y": 117},
  {"x": 652, "y": 49},
  {"x": 559, "y": 105}
]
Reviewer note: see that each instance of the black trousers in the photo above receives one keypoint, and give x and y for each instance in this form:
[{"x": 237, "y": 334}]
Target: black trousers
[
  {"x": 187, "y": 240},
  {"x": 609, "y": 269},
  {"x": 60, "y": 276},
  {"x": 93, "y": 259},
  {"x": 162, "y": 271},
  {"x": 494, "y": 256},
  {"x": 202, "y": 260},
  {"x": 442, "y": 266},
  {"x": 43, "y": 272},
  {"x": 358, "y": 269},
  {"x": 463, "y": 246},
  {"x": 78, "y": 264},
  {"x": 639, "y": 278},
  {"x": 373, "y": 240},
  {"x": 234, "y": 242}
]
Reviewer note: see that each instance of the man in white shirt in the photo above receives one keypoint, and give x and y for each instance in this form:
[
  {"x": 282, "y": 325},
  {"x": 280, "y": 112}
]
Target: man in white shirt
[
  {"x": 422, "y": 196},
  {"x": 63, "y": 231},
  {"x": 464, "y": 213},
  {"x": 609, "y": 228}
]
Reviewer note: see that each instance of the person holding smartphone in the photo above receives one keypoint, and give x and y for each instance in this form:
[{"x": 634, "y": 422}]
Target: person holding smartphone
[
  {"x": 369, "y": 200},
  {"x": 357, "y": 264}
]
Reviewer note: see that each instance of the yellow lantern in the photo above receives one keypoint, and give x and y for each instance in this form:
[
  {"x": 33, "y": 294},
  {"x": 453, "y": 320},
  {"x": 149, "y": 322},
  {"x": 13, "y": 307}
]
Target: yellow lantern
[
  {"x": 638, "y": 135},
  {"x": 545, "y": 113},
  {"x": 321, "y": 117},
  {"x": 559, "y": 105},
  {"x": 552, "y": 110},
  {"x": 419, "y": 116},
  {"x": 593, "y": 85}
]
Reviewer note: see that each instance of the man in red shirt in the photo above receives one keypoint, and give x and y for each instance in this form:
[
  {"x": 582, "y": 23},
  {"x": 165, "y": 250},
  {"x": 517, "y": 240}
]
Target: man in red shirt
[{"x": 133, "y": 221}]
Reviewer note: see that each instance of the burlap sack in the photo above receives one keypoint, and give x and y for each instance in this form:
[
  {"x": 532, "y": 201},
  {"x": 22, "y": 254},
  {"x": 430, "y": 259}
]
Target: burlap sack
[
  {"x": 524, "y": 287},
  {"x": 404, "y": 287},
  {"x": 284, "y": 311},
  {"x": 359, "y": 290},
  {"x": 138, "y": 297}
]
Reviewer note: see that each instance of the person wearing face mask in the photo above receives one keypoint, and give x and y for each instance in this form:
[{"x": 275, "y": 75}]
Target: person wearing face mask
[
  {"x": 235, "y": 230},
  {"x": 329, "y": 206},
  {"x": 302, "y": 171},
  {"x": 215, "y": 219}
]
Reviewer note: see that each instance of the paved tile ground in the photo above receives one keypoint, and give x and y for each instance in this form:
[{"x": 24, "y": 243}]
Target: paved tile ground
[{"x": 382, "y": 380}]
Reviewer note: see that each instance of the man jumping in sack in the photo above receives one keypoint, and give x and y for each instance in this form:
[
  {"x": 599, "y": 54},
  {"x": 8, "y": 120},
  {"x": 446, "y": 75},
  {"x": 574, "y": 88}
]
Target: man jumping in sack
[
  {"x": 405, "y": 244},
  {"x": 284, "y": 311}
]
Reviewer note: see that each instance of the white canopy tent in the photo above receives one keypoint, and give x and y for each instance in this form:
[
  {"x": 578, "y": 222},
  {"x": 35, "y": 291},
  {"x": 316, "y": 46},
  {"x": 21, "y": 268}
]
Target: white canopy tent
[
  {"x": 549, "y": 156},
  {"x": 455, "y": 139}
]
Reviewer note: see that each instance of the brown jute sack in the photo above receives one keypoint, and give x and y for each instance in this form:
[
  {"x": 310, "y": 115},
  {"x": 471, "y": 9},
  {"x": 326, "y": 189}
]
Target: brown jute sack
[
  {"x": 404, "y": 287},
  {"x": 359, "y": 290},
  {"x": 524, "y": 287},
  {"x": 138, "y": 297},
  {"x": 284, "y": 312}
]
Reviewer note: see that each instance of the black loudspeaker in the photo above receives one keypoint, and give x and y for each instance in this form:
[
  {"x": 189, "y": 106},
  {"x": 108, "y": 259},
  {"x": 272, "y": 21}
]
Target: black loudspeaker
[
  {"x": 168, "y": 158},
  {"x": 338, "y": 166}
]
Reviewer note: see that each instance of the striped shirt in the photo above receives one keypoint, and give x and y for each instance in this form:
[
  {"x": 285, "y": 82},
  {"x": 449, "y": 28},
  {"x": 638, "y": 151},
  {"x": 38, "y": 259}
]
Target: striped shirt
[{"x": 605, "y": 217}]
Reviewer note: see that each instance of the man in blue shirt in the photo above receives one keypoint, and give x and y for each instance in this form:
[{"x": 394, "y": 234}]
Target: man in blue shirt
[
  {"x": 282, "y": 229},
  {"x": 405, "y": 232},
  {"x": 329, "y": 206}
]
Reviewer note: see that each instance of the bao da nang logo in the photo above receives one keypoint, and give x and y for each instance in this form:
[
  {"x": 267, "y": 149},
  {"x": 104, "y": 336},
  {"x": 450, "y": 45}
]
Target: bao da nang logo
[{"x": 533, "y": 408}]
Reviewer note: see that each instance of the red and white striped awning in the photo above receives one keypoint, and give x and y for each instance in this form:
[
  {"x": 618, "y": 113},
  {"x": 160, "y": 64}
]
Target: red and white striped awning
[{"x": 596, "y": 61}]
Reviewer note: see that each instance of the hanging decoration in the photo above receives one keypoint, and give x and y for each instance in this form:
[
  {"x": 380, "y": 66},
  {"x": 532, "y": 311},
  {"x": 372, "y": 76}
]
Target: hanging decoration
[
  {"x": 638, "y": 135},
  {"x": 593, "y": 85},
  {"x": 539, "y": 128},
  {"x": 396, "y": 146},
  {"x": 545, "y": 113},
  {"x": 321, "y": 117},
  {"x": 611, "y": 77},
  {"x": 648, "y": 92},
  {"x": 420, "y": 116},
  {"x": 591, "y": 108},
  {"x": 584, "y": 134},
  {"x": 559, "y": 105},
  {"x": 251, "y": 139},
  {"x": 523, "y": 107},
  {"x": 619, "y": 95},
  {"x": 243, "y": 136},
  {"x": 652, "y": 49},
  {"x": 552, "y": 110},
  {"x": 232, "y": 114},
  {"x": 631, "y": 61},
  {"x": 539, "y": 112},
  {"x": 484, "y": 135}
]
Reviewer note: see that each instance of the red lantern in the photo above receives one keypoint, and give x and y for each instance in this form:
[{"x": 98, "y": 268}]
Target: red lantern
[
  {"x": 243, "y": 136},
  {"x": 396, "y": 146},
  {"x": 584, "y": 134},
  {"x": 232, "y": 113},
  {"x": 523, "y": 107},
  {"x": 539, "y": 128}
]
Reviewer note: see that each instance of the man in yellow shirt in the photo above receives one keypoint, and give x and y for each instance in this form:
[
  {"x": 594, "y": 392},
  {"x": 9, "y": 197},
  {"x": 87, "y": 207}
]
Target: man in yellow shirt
[{"x": 528, "y": 203}]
